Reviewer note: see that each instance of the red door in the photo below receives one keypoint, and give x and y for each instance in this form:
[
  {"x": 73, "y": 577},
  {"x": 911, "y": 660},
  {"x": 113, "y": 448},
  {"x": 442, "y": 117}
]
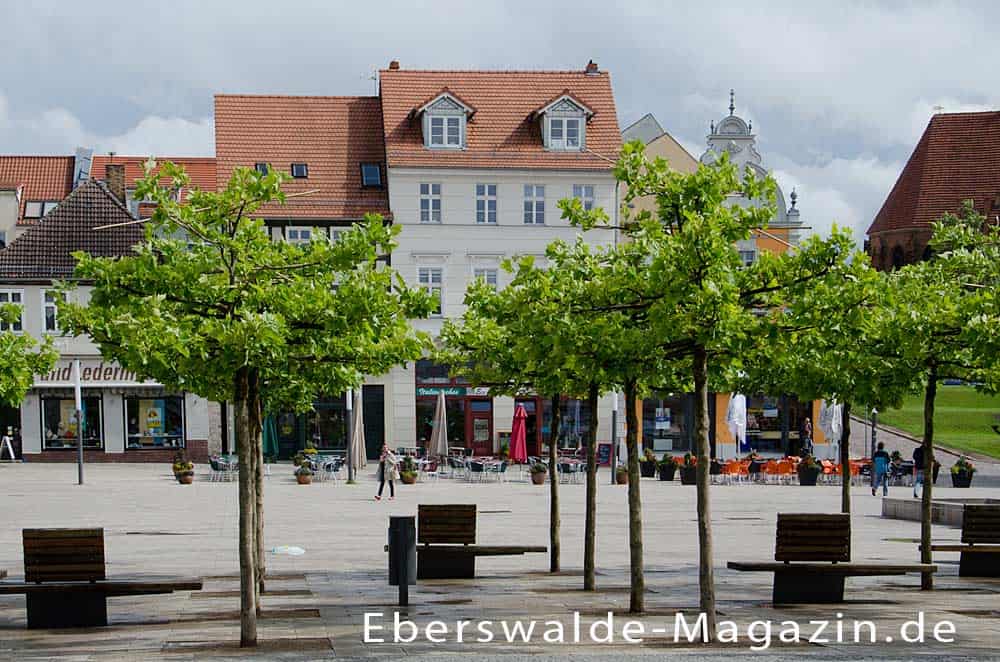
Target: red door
[{"x": 479, "y": 426}]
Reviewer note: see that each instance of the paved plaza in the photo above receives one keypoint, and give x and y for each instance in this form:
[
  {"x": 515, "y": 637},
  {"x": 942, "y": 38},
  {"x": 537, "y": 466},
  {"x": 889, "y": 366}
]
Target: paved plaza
[{"x": 315, "y": 603}]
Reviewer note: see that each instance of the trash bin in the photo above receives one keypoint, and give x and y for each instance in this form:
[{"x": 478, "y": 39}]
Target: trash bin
[{"x": 402, "y": 550}]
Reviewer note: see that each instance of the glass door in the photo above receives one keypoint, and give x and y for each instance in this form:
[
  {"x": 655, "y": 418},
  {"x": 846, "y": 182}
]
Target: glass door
[{"x": 480, "y": 426}]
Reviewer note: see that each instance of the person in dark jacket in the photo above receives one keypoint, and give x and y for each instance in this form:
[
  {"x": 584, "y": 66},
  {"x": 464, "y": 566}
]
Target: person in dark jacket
[
  {"x": 918, "y": 470},
  {"x": 880, "y": 470}
]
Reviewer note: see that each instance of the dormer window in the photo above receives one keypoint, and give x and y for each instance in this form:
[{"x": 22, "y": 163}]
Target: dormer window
[
  {"x": 444, "y": 121},
  {"x": 564, "y": 123},
  {"x": 300, "y": 170}
]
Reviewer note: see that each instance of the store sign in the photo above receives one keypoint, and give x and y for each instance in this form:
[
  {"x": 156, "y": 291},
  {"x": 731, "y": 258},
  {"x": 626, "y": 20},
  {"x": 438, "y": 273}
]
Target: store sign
[
  {"x": 479, "y": 390},
  {"x": 93, "y": 373},
  {"x": 434, "y": 390}
]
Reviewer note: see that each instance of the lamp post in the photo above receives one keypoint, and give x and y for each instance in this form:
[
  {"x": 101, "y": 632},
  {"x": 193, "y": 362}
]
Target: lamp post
[
  {"x": 350, "y": 431},
  {"x": 874, "y": 430},
  {"x": 78, "y": 396},
  {"x": 614, "y": 436}
]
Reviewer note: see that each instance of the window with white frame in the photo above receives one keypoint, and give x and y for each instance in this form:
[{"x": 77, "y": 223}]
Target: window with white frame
[
  {"x": 487, "y": 274},
  {"x": 336, "y": 233},
  {"x": 50, "y": 312},
  {"x": 299, "y": 236},
  {"x": 430, "y": 203},
  {"x": 486, "y": 203},
  {"x": 444, "y": 124},
  {"x": 534, "y": 204},
  {"x": 564, "y": 133},
  {"x": 446, "y": 131},
  {"x": 430, "y": 279},
  {"x": 748, "y": 257},
  {"x": 585, "y": 193},
  {"x": 11, "y": 296}
]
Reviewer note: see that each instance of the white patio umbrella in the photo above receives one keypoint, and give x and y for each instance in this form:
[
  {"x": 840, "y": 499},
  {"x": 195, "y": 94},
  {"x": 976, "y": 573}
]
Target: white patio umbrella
[
  {"x": 830, "y": 422},
  {"x": 358, "y": 453},
  {"x": 736, "y": 420},
  {"x": 439, "y": 435}
]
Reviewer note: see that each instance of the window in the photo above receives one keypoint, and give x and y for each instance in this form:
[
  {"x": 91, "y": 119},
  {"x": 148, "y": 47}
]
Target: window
[
  {"x": 155, "y": 422},
  {"x": 48, "y": 206},
  {"x": 430, "y": 203},
  {"x": 585, "y": 193},
  {"x": 336, "y": 233},
  {"x": 564, "y": 133},
  {"x": 430, "y": 280},
  {"x": 59, "y": 422},
  {"x": 261, "y": 168},
  {"x": 299, "y": 170},
  {"x": 534, "y": 204},
  {"x": 486, "y": 203},
  {"x": 371, "y": 175},
  {"x": 487, "y": 274},
  {"x": 748, "y": 257},
  {"x": 298, "y": 236},
  {"x": 446, "y": 131},
  {"x": 33, "y": 209},
  {"x": 49, "y": 311},
  {"x": 11, "y": 296}
]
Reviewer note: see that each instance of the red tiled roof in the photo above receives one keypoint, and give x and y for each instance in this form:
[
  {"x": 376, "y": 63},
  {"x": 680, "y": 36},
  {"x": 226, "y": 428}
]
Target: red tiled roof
[
  {"x": 44, "y": 178},
  {"x": 503, "y": 133},
  {"x": 957, "y": 159},
  {"x": 201, "y": 170},
  {"x": 332, "y": 135},
  {"x": 44, "y": 250}
]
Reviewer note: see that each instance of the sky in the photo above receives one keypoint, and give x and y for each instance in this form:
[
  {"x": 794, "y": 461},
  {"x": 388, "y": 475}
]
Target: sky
[{"x": 838, "y": 92}]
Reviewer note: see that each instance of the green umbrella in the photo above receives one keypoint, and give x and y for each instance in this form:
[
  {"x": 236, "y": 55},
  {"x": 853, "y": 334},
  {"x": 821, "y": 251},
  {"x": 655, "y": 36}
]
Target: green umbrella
[{"x": 270, "y": 434}]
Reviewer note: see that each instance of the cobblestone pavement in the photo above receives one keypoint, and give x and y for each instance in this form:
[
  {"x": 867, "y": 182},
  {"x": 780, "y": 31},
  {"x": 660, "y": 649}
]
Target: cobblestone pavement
[{"x": 316, "y": 603}]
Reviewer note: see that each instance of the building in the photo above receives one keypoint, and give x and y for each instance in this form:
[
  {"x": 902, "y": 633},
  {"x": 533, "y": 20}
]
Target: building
[
  {"x": 125, "y": 419},
  {"x": 956, "y": 159}
]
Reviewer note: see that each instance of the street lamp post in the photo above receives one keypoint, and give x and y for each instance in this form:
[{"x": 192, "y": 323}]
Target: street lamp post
[
  {"x": 350, "y": 441},
  {"x": 874, "y": 430}
]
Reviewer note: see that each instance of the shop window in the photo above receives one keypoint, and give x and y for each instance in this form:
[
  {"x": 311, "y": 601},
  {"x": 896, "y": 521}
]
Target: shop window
[
  {"x": 59, "y": 423},
  {"x": 665, "y": 423},
  {"x": 326, "y": 425},
  {"x": 155, "y": 422},
  {"x": 574, "y": 423}
]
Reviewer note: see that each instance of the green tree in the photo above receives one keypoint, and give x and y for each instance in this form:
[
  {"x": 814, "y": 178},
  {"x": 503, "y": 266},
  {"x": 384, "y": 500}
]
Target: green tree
[
  {"x": 23, "y": 358},
  {"x": 940, "y": 322},
  {"x": 209, "y": 304}
]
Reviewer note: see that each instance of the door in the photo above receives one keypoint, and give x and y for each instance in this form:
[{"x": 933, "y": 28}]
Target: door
[{"x": 479, "y": 429}]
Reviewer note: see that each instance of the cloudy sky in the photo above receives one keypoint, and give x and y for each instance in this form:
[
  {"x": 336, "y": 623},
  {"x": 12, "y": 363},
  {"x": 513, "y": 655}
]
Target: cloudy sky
[{"x": 838, "y": 93}]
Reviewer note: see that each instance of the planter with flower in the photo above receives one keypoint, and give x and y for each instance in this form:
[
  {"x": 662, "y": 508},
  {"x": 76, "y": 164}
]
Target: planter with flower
[
  {"x": 621, "y": 475},
  {"x": 961, "y": 473},
  {"x": 809, "y": 470},
  {"x": 647, "y": 465},
  {"x": 304, "y": 474},
  {"x": 538, "y": 471},
  {"x": 668, "y": 467},
  {"x": 688, "y": 468},
  {"x": 183, "y": 469},
  {"x": 408, "y": 471}
]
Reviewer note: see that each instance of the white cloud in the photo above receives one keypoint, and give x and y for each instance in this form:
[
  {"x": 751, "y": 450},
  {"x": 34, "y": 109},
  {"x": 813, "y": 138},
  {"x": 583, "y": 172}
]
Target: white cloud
[{"x": 58, "y": 131}]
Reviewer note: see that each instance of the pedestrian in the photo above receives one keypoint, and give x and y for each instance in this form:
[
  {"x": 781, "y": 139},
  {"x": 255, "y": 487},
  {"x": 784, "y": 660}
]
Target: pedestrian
[
  {"x": 880, "y": 470},
  {"x": 387, "y": 471},
  {"x": 807, "y": 438},
  {"x": 918, "y": 470}
]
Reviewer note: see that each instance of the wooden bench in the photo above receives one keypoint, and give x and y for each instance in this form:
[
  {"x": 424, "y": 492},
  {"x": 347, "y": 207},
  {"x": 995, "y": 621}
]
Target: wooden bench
[
  {"x": 812, "y": 554},
  {"x": 980, "y": 546},
  {"x": 446, "y": 542},
  {"x": 64, "y": 580}
]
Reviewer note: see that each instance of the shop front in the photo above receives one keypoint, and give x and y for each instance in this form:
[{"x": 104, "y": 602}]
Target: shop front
[
  {"x": 325, "y": 427},
  {"x": 774, "y": 423},
  {"x": 122, "y": 419}
]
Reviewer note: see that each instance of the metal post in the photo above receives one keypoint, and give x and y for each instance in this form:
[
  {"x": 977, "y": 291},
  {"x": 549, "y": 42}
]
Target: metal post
[
  {"x": 350, "y": 431},
  {"x": 614, "y": 438},
  {"x": 79, "y": 421},
  {"x": 874, "y": 429}
]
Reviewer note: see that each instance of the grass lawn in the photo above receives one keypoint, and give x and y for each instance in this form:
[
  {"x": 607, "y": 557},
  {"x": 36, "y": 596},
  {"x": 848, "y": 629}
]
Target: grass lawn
[{"x": 962, "y": 419}]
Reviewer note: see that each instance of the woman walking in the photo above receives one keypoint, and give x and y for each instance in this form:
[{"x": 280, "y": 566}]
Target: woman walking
[{"x": 387, "y": 471}]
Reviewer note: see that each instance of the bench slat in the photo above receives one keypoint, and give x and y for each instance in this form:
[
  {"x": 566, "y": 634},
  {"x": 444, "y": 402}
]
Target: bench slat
[
  {"x": 855, "y": 569},
  {"x": 114, "y": 587},
  {"x": 813, "y": 537},
  {"x": 63, "y": 554}
]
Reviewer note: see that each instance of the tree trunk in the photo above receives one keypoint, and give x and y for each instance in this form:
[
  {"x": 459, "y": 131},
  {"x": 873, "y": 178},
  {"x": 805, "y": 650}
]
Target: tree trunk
[
  {"x": 706, "y": 571},
  {"x": 930, "y": 393},
  {"x": 554, "y": 485},
  {"x": 247, "y": 548},
  {"x": 845, "y": 458},
  {"x": 256, "y": 430},
  {"x": 590, "y": 533},
  {"x": 637, "y": 580}
]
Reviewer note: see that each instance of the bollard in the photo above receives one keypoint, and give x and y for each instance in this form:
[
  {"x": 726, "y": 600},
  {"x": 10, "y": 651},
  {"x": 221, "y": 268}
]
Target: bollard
[{"x": 402, "y": 550}]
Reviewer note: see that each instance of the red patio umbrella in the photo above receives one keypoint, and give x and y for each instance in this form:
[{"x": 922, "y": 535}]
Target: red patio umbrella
[{"x": 518, "y": 438}]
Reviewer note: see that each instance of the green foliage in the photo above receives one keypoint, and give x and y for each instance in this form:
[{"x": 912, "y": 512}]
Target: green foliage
[
  {"x": 209, "y": 293},
  {"x": 23, "y": 358}
]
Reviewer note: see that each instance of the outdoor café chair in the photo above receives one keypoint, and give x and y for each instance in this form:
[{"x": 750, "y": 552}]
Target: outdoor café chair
[{"x": 476, "y": 471}]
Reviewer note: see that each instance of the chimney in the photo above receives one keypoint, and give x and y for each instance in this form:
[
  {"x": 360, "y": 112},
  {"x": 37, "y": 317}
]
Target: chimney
[
  {"x": 591, "y": 68},
  {"x": 394, "y": 65},
  {"x": 114, "y": 179}
]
